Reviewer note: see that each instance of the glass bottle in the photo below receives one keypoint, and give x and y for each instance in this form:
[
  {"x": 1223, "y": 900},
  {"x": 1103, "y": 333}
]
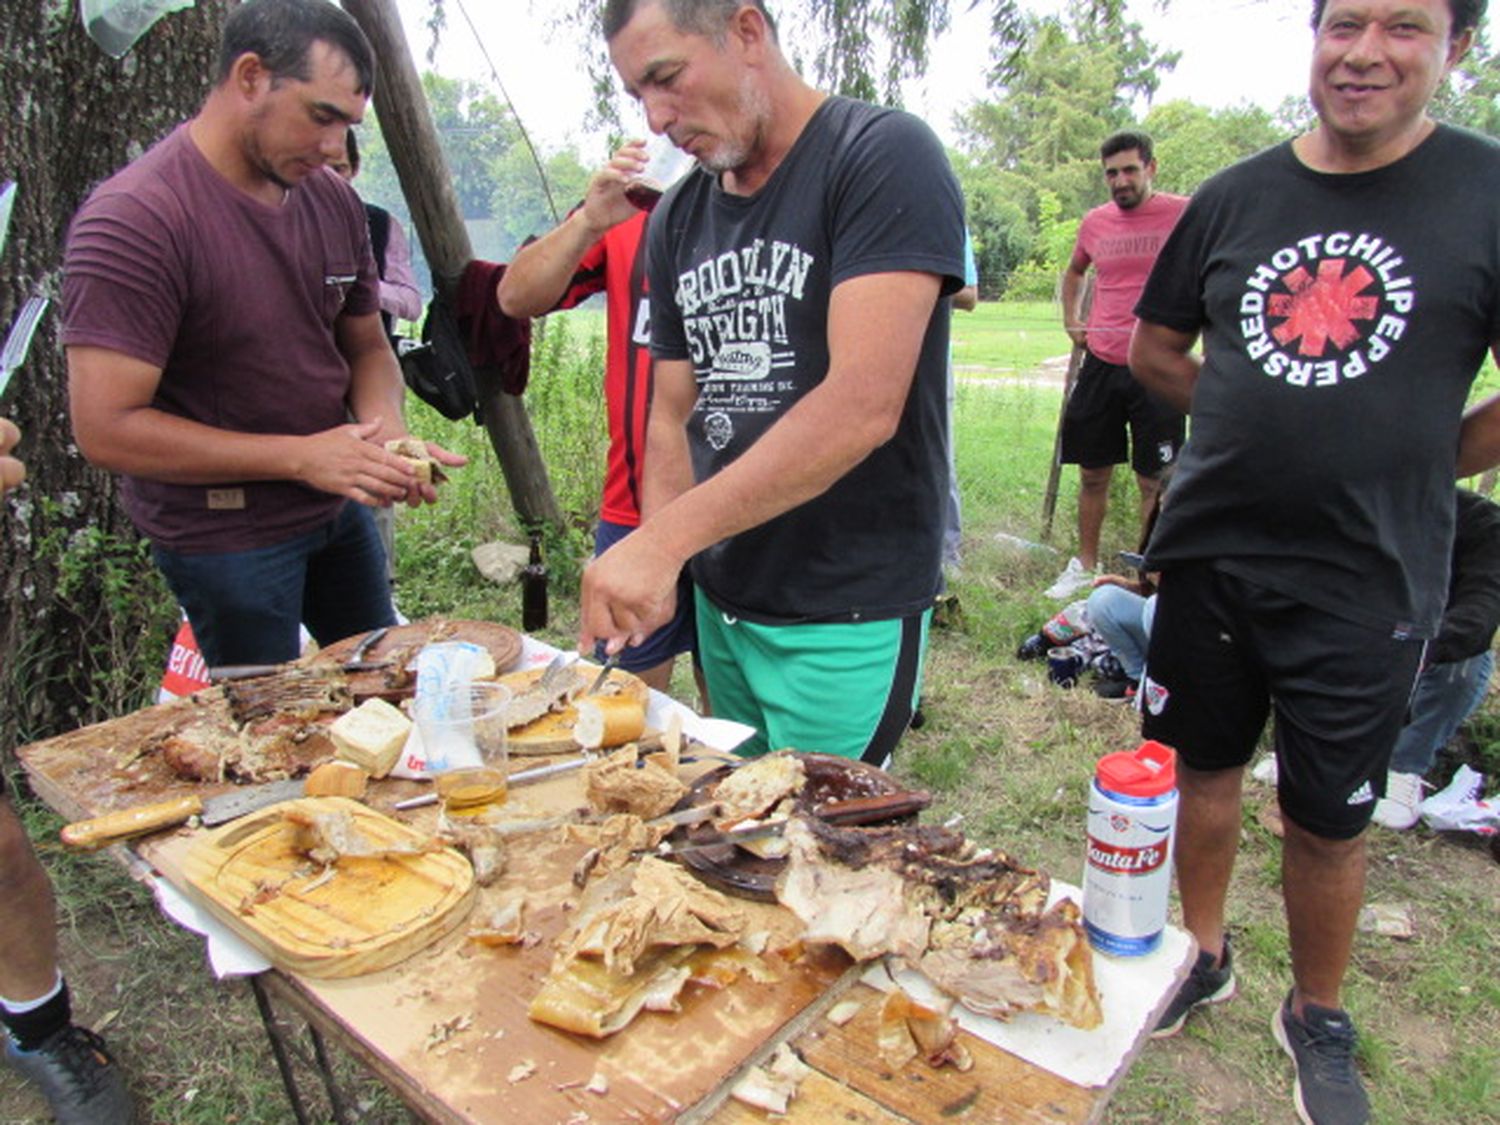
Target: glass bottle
[{"x": 534, "y": 588}]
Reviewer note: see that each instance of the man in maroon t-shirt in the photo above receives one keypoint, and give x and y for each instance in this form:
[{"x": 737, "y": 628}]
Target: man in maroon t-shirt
[
  {"x": 599, "y": 246},
  {"x": 221, "y": 324}
]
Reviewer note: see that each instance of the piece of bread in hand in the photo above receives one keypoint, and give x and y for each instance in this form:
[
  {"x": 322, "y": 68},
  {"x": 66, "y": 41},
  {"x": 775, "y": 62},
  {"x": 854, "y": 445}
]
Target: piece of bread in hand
[{"x": 414, "y": 452}]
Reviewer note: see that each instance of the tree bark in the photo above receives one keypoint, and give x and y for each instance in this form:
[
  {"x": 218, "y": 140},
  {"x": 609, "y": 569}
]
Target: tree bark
[
  {"x": 406, "y": 124},
  {"x": 84, "y": 621}
]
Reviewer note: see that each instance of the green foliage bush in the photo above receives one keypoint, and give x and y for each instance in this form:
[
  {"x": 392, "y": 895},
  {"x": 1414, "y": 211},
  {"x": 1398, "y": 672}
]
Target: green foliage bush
[{"x": 565, "y": 400}]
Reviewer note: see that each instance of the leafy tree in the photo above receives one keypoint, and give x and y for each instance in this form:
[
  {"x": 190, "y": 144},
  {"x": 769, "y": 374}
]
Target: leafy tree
[
  {"x": 860, "y": 48},
  {"x": 1471, "y": 97},
  {"x": 1073, "y": 84},
  {"x": 1193, "y": 142},
  {"x": 998, "y": 210},
  {"x": 84, "y": 619},
  {"x": 476, "y": 131},
  {"x": 521, "y": 205}
]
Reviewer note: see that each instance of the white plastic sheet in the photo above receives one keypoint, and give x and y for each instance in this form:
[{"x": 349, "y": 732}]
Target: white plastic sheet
[
  {"x": 1461, "y": 807},
  {"x": 116, "y": 25}
]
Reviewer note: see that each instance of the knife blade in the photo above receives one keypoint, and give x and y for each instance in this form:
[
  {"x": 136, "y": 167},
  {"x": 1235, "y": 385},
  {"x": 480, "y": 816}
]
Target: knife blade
[
  {"x": 127, "y": 824},
  {"x": 733, "y": 836},
  {"x": 224, "y": 673},
  {"x": 7, "y": 201},
  {"x": 18, "y": 340},
  {"x": 522, "y": 777},
  {"x": 610, "y": 664},
  {"x": 356, "y": 661}
]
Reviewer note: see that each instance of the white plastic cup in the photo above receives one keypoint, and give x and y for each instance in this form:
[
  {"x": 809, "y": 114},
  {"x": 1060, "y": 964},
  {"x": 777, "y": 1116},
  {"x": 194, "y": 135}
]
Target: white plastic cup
[
  {"x": 463, "y": 727},
  {"x": 665, "y": 165}
]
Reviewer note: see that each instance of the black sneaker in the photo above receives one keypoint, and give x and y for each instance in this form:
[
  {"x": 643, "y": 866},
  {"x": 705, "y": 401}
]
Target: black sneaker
[
  {"x": 1321, "y": 1045},
  {"x": 78, "y": 1076},
  {"x": 1116, "y": 690},
  {"x": 1205, "y": 985},
  {"x": 1033, "y": 647}
]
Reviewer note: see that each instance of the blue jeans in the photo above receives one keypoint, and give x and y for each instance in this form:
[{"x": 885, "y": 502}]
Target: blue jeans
[
  {"x": 245, "y": 606},
  {"x": 1123, "y": 619},
  {"x": 1446, "y": 695}
]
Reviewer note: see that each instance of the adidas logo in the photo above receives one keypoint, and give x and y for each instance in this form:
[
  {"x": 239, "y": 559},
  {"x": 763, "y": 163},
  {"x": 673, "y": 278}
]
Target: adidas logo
[{"x": 1361, "y": 796}]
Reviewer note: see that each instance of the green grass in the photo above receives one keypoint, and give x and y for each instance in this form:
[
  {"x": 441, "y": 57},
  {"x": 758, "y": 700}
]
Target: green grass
[{"x": 1001, "y": 338}]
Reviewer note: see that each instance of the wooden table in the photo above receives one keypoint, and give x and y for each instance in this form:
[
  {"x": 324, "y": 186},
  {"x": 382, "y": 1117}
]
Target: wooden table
[{"x": 447, "y": 1031}]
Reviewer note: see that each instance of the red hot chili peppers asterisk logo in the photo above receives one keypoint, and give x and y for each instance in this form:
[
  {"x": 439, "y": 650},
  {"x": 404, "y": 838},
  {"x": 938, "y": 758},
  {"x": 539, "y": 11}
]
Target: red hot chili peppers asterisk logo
[
  {"x": 1325, "y": 309},
  {"x": 1322, "y": 308}
]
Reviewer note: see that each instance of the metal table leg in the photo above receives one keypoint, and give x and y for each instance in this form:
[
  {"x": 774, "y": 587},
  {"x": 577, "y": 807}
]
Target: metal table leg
[
  {"x": 279, "y": 1049},
  {"x": 335, "y": 1096}
]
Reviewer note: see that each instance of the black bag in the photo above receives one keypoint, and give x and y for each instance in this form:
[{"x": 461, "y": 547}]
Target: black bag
[{"x": 437, "y": 370}]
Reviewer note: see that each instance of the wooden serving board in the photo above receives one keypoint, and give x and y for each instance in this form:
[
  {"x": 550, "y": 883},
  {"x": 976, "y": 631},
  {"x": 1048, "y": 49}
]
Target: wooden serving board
[
  {"x": 371, "y": 914},
  {"x": 400, "y": 646},
  {"x": 553, "y": 733}
]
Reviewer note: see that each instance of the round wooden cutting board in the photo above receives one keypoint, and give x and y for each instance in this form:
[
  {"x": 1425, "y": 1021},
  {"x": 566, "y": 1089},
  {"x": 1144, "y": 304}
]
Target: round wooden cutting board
[
  {"x": 400, "y": 646},
  {"x": 553, "y": 732}
]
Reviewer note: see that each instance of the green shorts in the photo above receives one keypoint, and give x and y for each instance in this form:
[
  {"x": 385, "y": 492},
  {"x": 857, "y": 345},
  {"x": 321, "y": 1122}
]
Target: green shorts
[{"x": 845, "y": 688}]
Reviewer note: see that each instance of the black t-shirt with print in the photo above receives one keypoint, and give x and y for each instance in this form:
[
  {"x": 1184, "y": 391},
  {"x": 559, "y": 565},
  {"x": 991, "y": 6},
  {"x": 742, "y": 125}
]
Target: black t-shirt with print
[
  {"x": 740, "y": 286},
  {"x": 1344, "y": 318}
]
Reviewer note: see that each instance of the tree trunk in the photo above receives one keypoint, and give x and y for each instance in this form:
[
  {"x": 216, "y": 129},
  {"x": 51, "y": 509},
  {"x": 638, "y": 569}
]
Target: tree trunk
[
  {"x": 84, "y": 620},
  {"x": 406, "y": 124}
]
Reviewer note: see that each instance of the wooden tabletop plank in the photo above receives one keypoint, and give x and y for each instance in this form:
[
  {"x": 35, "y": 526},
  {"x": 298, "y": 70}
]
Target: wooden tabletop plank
[
  {"x": 820, "y": 1100},
  {"x": 999, "y": 1088}
]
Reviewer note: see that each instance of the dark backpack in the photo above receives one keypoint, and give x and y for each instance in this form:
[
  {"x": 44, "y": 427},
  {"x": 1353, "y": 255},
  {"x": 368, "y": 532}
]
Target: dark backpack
[{"x": 437, "y": 370}]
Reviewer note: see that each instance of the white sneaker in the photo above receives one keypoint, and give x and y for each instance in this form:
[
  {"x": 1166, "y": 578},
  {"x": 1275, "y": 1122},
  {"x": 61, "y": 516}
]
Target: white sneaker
[
  {"x": 1400, "y": 808},
  {"x": 1073, "y": 579},
  {"x": 1265, "y": 770}
]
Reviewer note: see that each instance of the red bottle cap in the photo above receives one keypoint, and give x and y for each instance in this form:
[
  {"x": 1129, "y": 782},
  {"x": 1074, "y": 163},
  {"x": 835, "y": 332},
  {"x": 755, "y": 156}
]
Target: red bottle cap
[{"x": 1148, "y": 771}]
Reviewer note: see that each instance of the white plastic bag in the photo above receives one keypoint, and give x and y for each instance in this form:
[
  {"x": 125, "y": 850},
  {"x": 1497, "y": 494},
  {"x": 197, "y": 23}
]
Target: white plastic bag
[
  {"x": 1461, "y": 807},
  {"x": 439, "y": 666},
  {"x": 116, "y": 24}
]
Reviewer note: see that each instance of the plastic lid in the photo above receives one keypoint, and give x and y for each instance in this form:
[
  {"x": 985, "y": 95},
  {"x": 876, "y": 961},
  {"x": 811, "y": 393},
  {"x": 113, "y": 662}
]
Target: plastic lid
[{"x": 1148, "y": 771}]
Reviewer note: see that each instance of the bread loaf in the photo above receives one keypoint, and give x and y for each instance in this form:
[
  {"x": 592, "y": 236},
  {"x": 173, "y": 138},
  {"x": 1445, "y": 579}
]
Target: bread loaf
[
  {"x": 337, "y": 779},
  {"x": 414, "y": 452},
  {"x": 371, "y": 736},
  {"x": 608, "y": 720}
]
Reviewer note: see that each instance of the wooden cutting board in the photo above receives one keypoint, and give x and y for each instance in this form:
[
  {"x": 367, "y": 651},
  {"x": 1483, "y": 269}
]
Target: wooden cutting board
[
  {"x": 553, "y": 733},
  {"x": 371, "y": 914},
  {"x": 400, "y": 645}
]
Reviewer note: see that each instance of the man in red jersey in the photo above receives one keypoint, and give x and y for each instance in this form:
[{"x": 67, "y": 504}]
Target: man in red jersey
[{"x": 599, "y": 247}]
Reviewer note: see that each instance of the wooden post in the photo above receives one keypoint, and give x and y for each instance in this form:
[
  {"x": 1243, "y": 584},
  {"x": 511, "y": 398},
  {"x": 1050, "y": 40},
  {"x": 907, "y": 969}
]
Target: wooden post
[
  {"x": 406, "y": 124},
  {"x": 1054, "y": 473}
]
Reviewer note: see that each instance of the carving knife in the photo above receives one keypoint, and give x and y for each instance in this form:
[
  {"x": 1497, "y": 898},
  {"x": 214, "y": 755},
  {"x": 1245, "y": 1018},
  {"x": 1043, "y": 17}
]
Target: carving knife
[{"x": 127, "y": 824}]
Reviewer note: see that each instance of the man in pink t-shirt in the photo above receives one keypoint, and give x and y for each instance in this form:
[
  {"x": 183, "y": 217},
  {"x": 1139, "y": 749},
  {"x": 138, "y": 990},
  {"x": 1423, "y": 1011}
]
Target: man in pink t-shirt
[{"x": 1120, "y": 240}]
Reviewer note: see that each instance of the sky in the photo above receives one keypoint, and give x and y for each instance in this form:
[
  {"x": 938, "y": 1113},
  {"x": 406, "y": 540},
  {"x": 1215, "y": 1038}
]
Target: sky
[{"x": 1233, "y": 52}]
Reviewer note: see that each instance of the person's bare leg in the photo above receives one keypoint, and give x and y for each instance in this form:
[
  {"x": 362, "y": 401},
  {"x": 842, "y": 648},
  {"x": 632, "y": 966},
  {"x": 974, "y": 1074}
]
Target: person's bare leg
[
  {"x": 1150, "y": 488},
  {"x": 1093, "y": 500},
  {"x": 28, "y": 915},
  {"x": 705, "y": 707},
  {"x": 1208, "y": 838},
  {"x": 1323, "y": 884},
  {"x": 660, "y": 676}
]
